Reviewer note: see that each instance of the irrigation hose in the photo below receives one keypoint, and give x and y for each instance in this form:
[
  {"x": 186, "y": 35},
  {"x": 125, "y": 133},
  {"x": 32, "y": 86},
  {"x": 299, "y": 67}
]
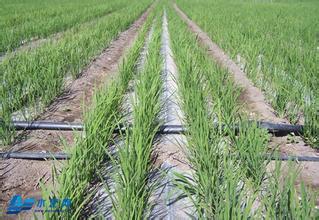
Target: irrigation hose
[
  {"x": 296, "y": 158},
  {"x": 281, "y": 129},
  {"x": 276, "y": 129},
  {"x": 64, "y": 156},
  {"x": 34, "y": 156},
  {"x": 45, "y": 125}
]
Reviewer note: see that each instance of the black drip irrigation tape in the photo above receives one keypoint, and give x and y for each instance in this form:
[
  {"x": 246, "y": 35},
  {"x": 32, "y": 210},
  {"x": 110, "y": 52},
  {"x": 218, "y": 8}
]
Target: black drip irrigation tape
[
  {"x": 275, "y": 129},
  {"x": 297, "y": 158},
  {"x": 64, "y": 156},
  {"x": 44, "y": 125},
  {"x": 34, "y": 156},
  {"x": 171, "y": 129},
  {"x": 281, "y": 129}
]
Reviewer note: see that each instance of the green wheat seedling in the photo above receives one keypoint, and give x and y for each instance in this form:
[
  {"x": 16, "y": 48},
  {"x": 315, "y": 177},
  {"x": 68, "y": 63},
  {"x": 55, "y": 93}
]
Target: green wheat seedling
[
  {"x": 251, "y": 146},
  {"x": 282, "y": 200},
  {"x": 312, "y": 122}
]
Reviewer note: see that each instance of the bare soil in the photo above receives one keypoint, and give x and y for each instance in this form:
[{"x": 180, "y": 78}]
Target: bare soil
[
  {"x": 23, "y": 176},
  {"x": 258, "y": 108}
]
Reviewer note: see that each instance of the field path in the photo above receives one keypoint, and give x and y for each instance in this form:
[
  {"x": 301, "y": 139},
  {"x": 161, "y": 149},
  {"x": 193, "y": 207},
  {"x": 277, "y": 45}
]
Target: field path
[
  {"x": 255, "y": 103},
  {"x": 22, "y": 176}
]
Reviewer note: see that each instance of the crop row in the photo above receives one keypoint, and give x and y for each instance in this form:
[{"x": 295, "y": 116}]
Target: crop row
[
  {"x": 95, "y": 147},
  {"x": 275, "y": 43},
  {"x": 19, "y": 25},
  {"x": 36, "y": 77},
  {"x": 134, "y": 185}
]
